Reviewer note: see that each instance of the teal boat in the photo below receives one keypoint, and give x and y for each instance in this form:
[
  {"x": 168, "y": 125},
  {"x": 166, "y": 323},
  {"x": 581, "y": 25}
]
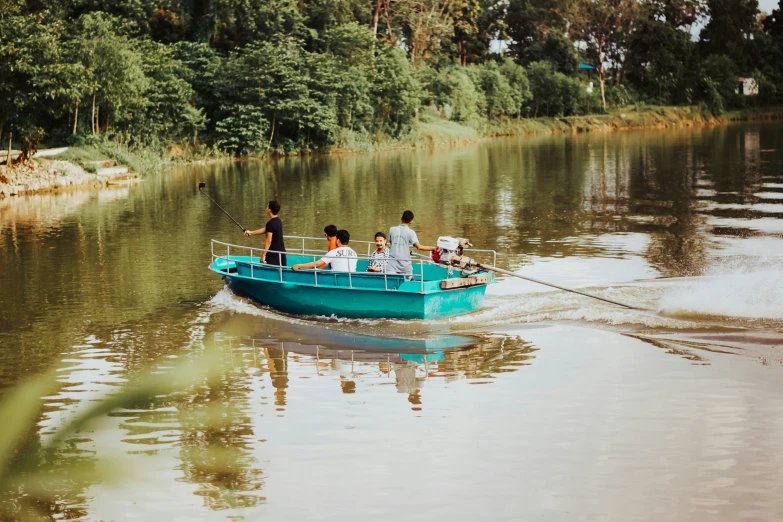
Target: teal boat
[{"x": 433, "y": 292}]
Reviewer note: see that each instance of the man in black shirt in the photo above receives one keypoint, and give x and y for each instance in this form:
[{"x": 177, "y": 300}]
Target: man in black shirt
[{"x": 274, "y": 236}]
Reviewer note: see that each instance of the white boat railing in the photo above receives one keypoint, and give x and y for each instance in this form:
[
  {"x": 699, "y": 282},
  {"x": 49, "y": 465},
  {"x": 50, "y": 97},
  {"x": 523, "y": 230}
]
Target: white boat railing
[
  {"x": 315, "y": 257},
  {"x": 317, "y": 254},
  {"x": 371, "y": 244}
]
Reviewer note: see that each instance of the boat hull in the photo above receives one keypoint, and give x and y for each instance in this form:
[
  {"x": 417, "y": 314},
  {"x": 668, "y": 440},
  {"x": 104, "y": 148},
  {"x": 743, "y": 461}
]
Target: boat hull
[
  {"x": 395, "y": 298},
  {"x": 340, "y": 302}
]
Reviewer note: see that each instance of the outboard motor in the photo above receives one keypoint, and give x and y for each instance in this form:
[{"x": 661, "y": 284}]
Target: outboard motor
[{"x": 449, "y": 252}]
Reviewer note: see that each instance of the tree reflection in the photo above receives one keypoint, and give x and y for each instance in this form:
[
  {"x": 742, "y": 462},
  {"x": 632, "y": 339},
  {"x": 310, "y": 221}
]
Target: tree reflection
[
  {"x": 217, "y": 436},
  {"x": 53, "y": 484}
]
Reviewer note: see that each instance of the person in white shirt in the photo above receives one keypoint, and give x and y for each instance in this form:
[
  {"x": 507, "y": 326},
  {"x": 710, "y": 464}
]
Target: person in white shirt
[
  {"x": 380, "y": 257},
  {"x": 341, "y": 259}
]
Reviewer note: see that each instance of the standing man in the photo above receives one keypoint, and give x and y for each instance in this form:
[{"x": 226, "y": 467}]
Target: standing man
[
  {"x": 274, "y": 237},
  {"x": 402, "y": 238}
]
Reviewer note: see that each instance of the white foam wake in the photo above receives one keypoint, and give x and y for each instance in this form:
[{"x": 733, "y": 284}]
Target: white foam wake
[
  {"x": 745, "y": 292},
  {"x": 226, "y": 300},
  {"x": 745, "y": 295}
]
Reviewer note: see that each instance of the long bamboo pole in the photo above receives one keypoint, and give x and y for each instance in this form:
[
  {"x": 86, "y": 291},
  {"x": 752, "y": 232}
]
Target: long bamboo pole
[{"x": 512, "y": 274}]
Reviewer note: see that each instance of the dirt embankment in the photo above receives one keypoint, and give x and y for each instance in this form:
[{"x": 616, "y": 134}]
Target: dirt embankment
[{"x": 46, "y": 175}]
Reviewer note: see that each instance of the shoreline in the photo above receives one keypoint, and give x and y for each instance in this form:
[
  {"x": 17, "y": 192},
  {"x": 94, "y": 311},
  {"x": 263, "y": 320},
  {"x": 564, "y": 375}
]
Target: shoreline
[
  {"x": 51, "y": 175},
  {"x": 37, "y": 177},
  {"x": 443, "y": 133}
]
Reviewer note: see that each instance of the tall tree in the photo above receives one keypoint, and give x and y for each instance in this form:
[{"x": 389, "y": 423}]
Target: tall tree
[
  {"x": 467, "y": 16},
  {"x": 730, "y": 30},
  {"x": 529, "y": 21},
  {"x": 603, "y": 26},
  {"x": 676, "y": 13},
  {"x": 114, "y": 76},
  {"x": 659, "y": 59},
  {"x": 556, "y": 49},
  {"x": 424, "y": 23},
  {"x": 34, "y": 77}
]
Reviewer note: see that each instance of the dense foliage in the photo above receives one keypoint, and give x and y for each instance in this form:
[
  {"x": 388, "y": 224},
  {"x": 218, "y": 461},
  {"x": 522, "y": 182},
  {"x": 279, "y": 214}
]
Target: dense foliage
[{"x": 249, "y": 76}]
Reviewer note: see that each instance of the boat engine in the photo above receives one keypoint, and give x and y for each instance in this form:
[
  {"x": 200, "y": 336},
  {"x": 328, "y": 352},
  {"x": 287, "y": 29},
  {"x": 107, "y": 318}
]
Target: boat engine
[{"x": 450, "y": 253}]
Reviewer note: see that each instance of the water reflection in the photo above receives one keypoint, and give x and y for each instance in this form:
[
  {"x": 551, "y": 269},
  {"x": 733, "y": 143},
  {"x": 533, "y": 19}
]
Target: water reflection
[
  {"x": 216, "y": 441},
  {"x": 655, "y": 202},
  {"x": 277, "y": 365},
  {"x": 209, "y": 434},
  {"x": 410, "y": 369}
]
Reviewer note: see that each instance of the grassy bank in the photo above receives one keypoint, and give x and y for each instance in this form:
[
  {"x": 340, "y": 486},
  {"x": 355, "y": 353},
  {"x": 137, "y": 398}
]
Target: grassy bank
[
  {"x": 622, "y": 118},
  {"x": 432, "y": 130}
]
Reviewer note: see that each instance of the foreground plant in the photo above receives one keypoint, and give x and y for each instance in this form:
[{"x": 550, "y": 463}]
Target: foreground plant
[{"x": 37, "y": 472}]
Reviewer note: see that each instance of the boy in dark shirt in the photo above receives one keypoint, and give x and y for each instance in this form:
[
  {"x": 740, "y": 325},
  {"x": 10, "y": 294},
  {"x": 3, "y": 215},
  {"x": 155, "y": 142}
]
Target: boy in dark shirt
[{"x": 274, "y": 236}]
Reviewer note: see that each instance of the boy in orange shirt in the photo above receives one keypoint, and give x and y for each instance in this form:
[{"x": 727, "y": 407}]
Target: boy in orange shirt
[{"x": 331, "y": 235}]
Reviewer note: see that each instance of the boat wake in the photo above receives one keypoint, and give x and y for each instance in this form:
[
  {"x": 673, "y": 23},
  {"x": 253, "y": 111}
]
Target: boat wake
[
  {"x": 739, "y": 294},
  {"x": 729, "y": 297},
  {"x": 562, "y": 307},
  {"x": 226, "y": 300},
  {"x": 753, "y": 295},
  {"x": 744, "y": 297}
]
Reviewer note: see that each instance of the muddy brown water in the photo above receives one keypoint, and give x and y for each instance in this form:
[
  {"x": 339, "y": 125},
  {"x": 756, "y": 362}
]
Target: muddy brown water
[{"x": 541, "y": 406}]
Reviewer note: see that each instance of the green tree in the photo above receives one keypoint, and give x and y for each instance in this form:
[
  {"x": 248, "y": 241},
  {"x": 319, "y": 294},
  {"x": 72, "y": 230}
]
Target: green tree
[
  {"x": 729, "y": 31},
  {"x": 718, "y": 81},
  {"x": 169, "y": 113},
  {"x": 425, "y": 24},
  {"x": 322, "y": 15},
  {"x": 114, "y": 77},
  {"x": 603, "y": 27},
  {"x": 772, "y": 45},
  {"x": 395, "y": 91},
  {"x": 205, "y": 70},
  {"x": 554, "y": 93},
  {"x": 502, "y": 97},
  {"x": 520, "y": 86},
  {"x": 554, "y": 48},
  {"x": 242, "y": 129},
  {"x": 660, "y": 58},
  {"x": 348, "y": 74},
  {"x": 529, "y": 21},
  {"x": 34, "y": 77},
  {"x": 466, "y": 15},
  {"x": 243, "y": 22},
  {"x": 457, "y": 93},
  {"x": 676, "y": 13}
]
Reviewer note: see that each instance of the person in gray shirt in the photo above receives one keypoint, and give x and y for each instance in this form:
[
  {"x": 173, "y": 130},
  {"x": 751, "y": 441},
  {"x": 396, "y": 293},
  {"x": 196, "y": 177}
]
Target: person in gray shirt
[{"x": 402, "y": 238}]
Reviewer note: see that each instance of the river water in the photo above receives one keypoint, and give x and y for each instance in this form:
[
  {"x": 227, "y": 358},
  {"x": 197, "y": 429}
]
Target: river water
[{"x": 543, "y": 405}]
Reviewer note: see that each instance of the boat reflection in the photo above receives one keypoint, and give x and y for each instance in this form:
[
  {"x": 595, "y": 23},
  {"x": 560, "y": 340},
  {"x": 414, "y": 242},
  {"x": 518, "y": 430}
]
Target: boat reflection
[
  {"x": 409, "y": 362},
  {"x": 211, "y": 434}
]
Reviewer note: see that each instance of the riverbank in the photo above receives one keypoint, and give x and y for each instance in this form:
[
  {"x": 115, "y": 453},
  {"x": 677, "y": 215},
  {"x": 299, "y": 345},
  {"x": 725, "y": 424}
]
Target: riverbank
[
  {"x": 41, "y": 175},
  {"x": 627, "y": 118},
  {"x": 73, "y": 168},
  {"x": 431, "y": 130}
]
